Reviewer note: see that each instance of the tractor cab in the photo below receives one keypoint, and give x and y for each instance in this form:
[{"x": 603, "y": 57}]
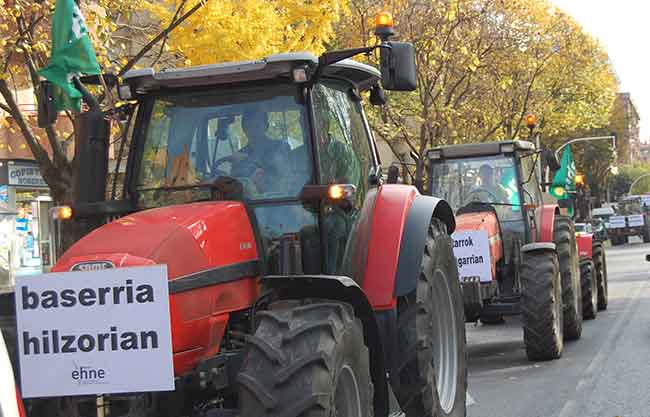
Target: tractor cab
[
  {"x": 500, "y": 177},
  {"x": 298, "y": 155}
]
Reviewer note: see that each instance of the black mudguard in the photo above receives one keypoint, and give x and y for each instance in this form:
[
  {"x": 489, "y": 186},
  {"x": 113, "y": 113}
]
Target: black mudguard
[{"x": 423, "y": 209}]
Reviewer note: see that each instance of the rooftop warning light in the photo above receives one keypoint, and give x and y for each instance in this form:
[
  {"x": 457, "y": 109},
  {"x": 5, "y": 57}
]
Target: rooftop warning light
[
  {"x": 384, "y": 25},
  {"x": 384, "y": 19},
  {"x": 531, "y": 121}
]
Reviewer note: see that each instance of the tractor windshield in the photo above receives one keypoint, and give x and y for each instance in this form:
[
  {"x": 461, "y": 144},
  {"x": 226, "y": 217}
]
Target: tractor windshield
[
  {"x": 491, "y": 179},
  {"x": 256, "y": 135}
]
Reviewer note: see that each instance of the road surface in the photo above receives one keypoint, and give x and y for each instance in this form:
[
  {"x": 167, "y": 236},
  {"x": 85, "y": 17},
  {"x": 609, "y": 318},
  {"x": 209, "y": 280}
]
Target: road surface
[{"x": 604, "y": 374}]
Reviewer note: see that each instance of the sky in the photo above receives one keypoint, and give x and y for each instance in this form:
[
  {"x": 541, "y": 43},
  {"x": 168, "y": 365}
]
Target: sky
[{"x": 623, "y": 27}]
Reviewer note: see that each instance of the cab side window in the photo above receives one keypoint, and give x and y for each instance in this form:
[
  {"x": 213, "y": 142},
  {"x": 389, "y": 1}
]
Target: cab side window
[
  {"x": 342, "y": 139},
  {"x": 530, "y": 181},
  {"x": 345, "y": 157}
]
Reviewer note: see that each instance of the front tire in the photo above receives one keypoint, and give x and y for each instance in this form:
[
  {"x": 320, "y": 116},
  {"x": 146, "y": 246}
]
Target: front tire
[
  {"x": 600, "y": 267},
  {"x": 567, "y": 253},
  {"x": 307, "y": 358},
  {"x": 541, "y": 305},
  {"x": 431, "y": 332},
  {"x": 589, "y": 289}
]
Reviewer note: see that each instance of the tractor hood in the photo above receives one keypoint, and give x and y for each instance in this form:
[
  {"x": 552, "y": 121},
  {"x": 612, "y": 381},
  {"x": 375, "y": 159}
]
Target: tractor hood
[
  {"x": 483, "y": 221},
  {"x": 187, "y": 238}
]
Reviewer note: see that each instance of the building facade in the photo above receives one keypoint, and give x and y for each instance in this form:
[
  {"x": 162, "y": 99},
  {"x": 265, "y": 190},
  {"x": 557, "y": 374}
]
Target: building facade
[{"x": 625, "y": 123}]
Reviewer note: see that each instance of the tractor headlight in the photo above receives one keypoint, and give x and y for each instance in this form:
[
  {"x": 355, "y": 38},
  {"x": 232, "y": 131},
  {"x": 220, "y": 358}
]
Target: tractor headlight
[{"x": 61, "y": 212}]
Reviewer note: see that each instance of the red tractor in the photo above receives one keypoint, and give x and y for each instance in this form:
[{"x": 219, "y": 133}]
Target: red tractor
[
  {"x": 530, "y": 256},
  {"x": 299, "y": 284},
  {"x": 593, "y": 271}
]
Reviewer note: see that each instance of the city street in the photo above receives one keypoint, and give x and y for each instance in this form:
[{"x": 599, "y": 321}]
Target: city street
[{"x": 605, "y": 374}]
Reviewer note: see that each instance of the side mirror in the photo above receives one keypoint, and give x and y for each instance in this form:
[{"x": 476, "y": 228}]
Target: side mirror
[
  {"x": 647, "y": 257},
  {"x": 46, "y": 112},
  {"x": 398, "y": 66}
]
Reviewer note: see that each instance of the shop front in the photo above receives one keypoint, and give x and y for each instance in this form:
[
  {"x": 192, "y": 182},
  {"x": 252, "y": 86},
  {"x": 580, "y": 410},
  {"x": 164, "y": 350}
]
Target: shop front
[{"x": 25, "y": 232}]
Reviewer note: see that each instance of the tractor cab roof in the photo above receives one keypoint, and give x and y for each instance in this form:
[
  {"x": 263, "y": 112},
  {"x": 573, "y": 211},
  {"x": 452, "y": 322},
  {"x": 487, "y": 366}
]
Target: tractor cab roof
[
  {"x": 279, "y": 66},
  {"x": 479, "y": 149}
]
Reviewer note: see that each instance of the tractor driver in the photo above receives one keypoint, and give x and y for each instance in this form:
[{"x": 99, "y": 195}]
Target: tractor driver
[
  {"x": 262, "y": 159},
  {"x": 496, "y": 193}
]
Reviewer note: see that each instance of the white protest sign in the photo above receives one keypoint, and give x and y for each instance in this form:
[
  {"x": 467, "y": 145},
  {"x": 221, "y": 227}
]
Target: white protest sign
[
  {"x": 472, "y": 251},
  {"x": 617, "y": 222},
  {"x": 96, "y": 332},
  {"x": 635, "y": 220}
]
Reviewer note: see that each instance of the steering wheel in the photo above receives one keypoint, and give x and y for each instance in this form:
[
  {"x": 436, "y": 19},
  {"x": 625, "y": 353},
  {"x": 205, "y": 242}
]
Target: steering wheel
[
  {"x": 246, "y": 164},
  {"x": 477, "y": 191},
  {"x": 243, "y": 162}
]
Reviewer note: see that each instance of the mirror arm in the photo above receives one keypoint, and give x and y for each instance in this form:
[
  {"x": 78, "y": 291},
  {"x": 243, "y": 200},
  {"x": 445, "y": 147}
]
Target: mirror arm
[
  {"x": 329, "y": 58},
  {"x": 87, "y": 97}
]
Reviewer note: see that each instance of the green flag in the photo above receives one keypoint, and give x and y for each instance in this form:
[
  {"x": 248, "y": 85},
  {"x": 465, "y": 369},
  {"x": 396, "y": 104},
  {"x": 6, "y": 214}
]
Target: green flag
[
  {"x": 72, "y": 55},
  {"x": 564, "y": 180}
]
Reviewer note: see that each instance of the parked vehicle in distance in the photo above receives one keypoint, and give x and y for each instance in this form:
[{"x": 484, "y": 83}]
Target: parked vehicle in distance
[
  {"x": 631, "y": 219},
  {"x": 603, "y": 214},
  {"x": 600, "y": 231}
]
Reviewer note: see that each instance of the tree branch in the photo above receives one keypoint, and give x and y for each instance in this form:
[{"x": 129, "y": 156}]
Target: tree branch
[
  {"x": 160, "y": 36},
  {"x": 37, "y": 150}
]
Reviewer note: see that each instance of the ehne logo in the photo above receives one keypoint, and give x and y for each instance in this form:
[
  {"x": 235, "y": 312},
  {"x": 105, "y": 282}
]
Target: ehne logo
[
  {"x": 92, "y": 266},
  {"x": 85, "y": 375}
]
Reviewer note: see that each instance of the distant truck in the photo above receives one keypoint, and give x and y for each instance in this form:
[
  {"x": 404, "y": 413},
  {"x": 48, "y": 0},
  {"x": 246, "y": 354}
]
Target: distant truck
[{"x": 631, "y": 219}]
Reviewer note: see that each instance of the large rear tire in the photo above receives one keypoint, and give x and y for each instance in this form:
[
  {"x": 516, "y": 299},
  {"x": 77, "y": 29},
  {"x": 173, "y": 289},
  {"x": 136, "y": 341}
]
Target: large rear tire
[
  {"x": 589, "y": 289},
  {"x": 541, "y": 305},
  {"x": 600, "y": 267},
  {"x": 431, "y": 326},
  {"x": 307, "y": 358},
  {"x": 567, "y": 253}
]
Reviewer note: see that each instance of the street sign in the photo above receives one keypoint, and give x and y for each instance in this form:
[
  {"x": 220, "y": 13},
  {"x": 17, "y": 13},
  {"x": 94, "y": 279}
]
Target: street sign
[
  {"x": 472, "y": 251},
  {"x": 99, "y": 332},
  {"x": 25, "y": 175}
]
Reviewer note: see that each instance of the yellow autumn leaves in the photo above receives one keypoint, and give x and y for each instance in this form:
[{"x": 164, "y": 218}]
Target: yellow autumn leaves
[
  {"x": 235, "y": 30},
  {"x": 482, "y": 64}
]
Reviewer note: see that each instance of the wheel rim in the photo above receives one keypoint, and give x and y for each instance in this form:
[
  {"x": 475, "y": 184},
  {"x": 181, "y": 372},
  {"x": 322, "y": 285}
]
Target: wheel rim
[
  {"x": 445, "y": 342},
  {"x": 347, "y": 397}
]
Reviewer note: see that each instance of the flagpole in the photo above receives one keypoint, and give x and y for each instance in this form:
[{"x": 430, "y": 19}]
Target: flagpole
[{"x": 588, "y": 139}]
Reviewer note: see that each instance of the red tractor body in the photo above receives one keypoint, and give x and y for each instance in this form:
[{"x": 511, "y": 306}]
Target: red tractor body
[
  {"x": 194, "y": 241},
  {"x": 495, "y": 191},
  {"x": 486, "y": 221},
  {"x": 295, "y": 275},
  {"x": 593, "y": 270}
]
